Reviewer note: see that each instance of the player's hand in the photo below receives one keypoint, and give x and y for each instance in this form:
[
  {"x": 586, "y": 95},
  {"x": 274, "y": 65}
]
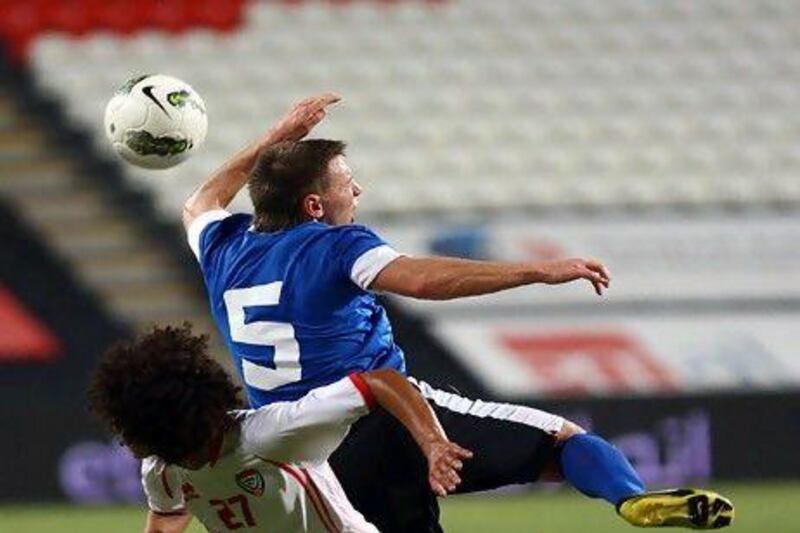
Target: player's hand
[
  {"x": 566, "y": 270},
  {"x": 445, "y": 459},
  {"x": 302, "y": 117}
]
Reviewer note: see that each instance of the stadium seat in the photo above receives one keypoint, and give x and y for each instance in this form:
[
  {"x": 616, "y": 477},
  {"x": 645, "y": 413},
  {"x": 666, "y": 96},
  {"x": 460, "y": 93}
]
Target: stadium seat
[{"x": 552, "y": 98}]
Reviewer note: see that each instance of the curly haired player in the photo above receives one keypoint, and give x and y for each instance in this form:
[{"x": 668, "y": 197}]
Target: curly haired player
[{"x": 172, "y": 405}]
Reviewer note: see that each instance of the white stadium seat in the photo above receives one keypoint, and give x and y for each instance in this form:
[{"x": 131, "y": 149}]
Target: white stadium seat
[{"x": 489, "y": 105}]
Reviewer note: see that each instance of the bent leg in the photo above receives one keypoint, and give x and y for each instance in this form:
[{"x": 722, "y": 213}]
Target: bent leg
[
  {"x": 552, "y": 470},
  {"x": 511, "y": 443},
  {"x": 598, "y": 469}
]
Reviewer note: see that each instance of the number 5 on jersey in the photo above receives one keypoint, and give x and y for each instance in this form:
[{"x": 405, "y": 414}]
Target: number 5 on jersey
[{"x": 279, "y": 335}]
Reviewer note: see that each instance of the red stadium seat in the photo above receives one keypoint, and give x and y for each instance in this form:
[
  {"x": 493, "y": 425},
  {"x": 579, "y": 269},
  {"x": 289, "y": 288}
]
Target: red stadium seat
[
  {"x": 121, "y": 16},
  {"x": 222, "y": 16},
  {"x": 171, "y": 16},
  {"x": 19, "y": 24},
  {"x": 69, "y": 16}
]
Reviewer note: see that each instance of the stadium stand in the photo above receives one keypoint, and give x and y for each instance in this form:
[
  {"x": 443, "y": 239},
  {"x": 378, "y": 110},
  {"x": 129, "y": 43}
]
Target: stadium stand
[
  {"x": 107, "y": 233},
  {"x": 572, "y": 103}
]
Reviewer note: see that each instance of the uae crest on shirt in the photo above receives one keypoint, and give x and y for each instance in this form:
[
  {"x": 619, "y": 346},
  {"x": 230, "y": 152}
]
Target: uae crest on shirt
[{"x": 251, "y": 481}]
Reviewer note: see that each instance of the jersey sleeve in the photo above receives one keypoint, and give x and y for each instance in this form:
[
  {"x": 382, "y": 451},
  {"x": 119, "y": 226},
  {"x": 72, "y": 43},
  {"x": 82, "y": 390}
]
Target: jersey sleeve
[
  {"x": 309, "y": 429},
  {"x": 203, "y": 232},
  {"x": 162, "y": 487},
  {"x": 362, "y": 254}
]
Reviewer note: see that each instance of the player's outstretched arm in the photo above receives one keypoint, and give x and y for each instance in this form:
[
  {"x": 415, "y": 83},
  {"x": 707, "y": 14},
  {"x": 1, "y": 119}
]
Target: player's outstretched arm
[
  {"x": 221, "y": 187},
  {"x": 170, "y": 523},
  {"x": 393, "y": 392},
  {"x": 445, "y": 278}
]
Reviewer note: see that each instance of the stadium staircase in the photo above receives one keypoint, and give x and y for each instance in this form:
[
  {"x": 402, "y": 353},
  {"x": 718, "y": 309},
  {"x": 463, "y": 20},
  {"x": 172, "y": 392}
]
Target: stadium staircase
[{"x": 107, "y": 232}]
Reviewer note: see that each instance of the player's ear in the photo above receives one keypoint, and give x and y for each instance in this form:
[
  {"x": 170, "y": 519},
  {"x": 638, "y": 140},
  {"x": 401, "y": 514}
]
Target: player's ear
[{"x": 312, "y": 206}]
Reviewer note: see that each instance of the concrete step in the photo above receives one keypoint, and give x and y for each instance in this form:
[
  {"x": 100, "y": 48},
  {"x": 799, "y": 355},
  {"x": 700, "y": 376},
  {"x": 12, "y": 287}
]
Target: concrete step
[
  {"x": 148, "y": 310},
  {"x": 110, "y": 230},
  {"x": 130, "y": 271},
  {"x": 27, "y": 136},
  {"x": 22, "y": 153},
  {"x": 55, "y": 213},
  {"x": 49, "y": 162},
  {"x": 11, "y": 120},
  {"x": 69, "y": 205},
  {"x": 130, "y": 263},
  {"x": 152, "y": 300},
  {"x": 38, "y": 183},
  {"x": 109, "y": 277}
]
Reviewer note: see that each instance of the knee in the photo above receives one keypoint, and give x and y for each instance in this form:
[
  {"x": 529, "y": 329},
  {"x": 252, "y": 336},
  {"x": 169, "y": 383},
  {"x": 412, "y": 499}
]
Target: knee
[
  {"x": 568, "y": 429},
  {"x": 552, "y": 470}
]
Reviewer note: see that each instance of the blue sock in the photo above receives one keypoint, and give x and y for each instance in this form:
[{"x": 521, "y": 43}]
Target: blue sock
[{"x": 598, "y": 469}]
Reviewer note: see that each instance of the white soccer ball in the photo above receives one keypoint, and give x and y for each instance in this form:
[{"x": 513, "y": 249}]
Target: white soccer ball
[{"x": 156, "y": 121}]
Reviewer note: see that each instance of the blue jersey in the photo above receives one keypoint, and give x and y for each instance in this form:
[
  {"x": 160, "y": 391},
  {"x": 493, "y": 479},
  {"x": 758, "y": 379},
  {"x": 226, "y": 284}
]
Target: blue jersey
[{"x": 293, "y": 305}]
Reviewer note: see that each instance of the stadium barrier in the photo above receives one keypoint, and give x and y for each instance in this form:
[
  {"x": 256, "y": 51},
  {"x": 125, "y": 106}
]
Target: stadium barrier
[{"x": 53, "y": 331}]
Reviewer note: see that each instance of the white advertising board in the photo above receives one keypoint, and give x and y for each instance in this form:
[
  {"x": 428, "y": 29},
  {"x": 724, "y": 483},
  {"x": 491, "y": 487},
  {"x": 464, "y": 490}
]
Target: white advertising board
[
  {"x": 628, "y": 355},
  {"x": 651, "y": 260}
]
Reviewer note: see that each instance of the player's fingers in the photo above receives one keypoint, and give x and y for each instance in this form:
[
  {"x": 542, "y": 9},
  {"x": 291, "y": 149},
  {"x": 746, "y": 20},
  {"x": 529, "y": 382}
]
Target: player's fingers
[
  {"x": 447, "y": 482},
  {"x": 454, "y": 458},
  {"x": 602, "y": 279},
  {"x": 606, "y": 273},
  {"x": 461, "y": 452},
  {"x": 445, "y": 465},
  {"x": 587, "y": 273},
  {"x": 598, "y": 280},
  {"x": 454, "y": 478},
  {"x": 321, "y": 102},
  {"x": 595, "y": 276},
  {"x": 305, "y": 102},
  {"x": 328, "y": 99},
  {"x": 448, "y": 477},
  {"x": 308, "y": 107},
  {"x": 444, "y": 484},
  {"x": 600, "y": 268},
  {"x": 437, "y": 487},
  {"x": 442, "y": 468},
  {"x": 454, "y": 462},
  {"x": 598, "y": 287}
]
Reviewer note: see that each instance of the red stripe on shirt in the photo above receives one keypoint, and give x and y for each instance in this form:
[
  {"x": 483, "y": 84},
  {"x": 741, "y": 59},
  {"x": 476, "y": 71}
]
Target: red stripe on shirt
[
  {"x": 364, "y": 390},
  {"x": 316, "y": 491},
  {"x": 311, "y": 494},
  {"x": 165, "y": 483},
  {"x": 315, "y": 496}
]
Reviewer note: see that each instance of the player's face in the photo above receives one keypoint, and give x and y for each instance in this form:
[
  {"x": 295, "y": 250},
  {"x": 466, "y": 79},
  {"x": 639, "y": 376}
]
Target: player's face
[{"x": 340, "y": 198}]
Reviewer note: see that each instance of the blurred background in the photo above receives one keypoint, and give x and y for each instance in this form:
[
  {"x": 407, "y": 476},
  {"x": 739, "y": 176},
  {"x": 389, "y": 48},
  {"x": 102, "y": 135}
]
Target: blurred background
[{"x": 660, "y": 136}]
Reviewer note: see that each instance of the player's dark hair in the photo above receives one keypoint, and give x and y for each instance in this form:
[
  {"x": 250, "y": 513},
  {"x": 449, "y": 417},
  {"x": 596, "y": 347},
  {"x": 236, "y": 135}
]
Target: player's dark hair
[
  {"x": 163, "y": 393},
  {"x": 283, "y": 175}
]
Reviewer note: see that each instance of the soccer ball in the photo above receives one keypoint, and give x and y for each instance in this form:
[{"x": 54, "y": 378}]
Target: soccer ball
[{"x": 155, "y": 121}]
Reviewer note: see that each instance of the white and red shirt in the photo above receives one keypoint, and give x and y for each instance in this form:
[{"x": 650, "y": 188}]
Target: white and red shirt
[{"x": 275, "y": 475}]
